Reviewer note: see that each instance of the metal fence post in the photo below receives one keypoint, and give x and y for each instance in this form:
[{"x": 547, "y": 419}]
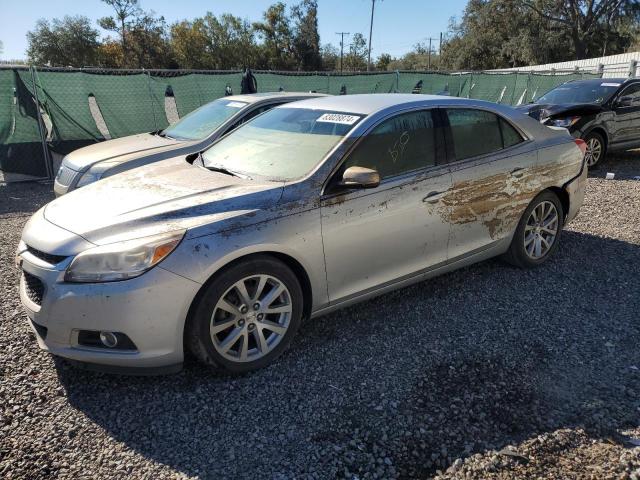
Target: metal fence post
[
  {"x": 397, "y": 81},
  {"x": 633, "y": 65},
  {"x": 43, "y": 137},
  {"x": 600, "y": 69}
]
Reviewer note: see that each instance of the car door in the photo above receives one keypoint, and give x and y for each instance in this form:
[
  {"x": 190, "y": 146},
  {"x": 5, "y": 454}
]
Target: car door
[
  {"x": 627, "y": 116},
  {"x": 493, "y": 173},
  {"x": 375, "y": 236}
]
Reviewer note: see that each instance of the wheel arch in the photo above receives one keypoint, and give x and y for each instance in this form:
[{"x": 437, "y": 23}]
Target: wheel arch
[
  {"x": 563, "y": 196},
  {"x": 294, "y": 264},
  {"x": 600, "y": 131}
]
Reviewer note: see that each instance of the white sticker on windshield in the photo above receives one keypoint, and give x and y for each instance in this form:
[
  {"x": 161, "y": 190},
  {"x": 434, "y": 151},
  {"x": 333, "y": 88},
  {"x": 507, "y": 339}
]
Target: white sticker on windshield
[
  {"x": 609, "y": 84},
  {"x": 236, "y": 104},
  {"x": 338, "y": 118}
]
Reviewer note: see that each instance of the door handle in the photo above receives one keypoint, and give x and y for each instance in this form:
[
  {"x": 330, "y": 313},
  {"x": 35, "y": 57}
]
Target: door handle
[
  {"x": 433, "y": 197},
  {"x": 517, "y": 172}
]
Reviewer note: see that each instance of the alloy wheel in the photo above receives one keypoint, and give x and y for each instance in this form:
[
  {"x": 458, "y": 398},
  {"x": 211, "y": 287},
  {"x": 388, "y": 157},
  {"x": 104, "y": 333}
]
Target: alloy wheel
[
  {"x": 251, "y": 318},
  {"x": 541, "y": 230},
  {"x": 594, "y": 151}
]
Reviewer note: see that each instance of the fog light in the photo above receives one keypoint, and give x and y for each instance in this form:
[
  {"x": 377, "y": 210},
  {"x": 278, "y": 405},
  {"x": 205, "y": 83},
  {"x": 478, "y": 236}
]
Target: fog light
[{"x": 108, "y": 339}]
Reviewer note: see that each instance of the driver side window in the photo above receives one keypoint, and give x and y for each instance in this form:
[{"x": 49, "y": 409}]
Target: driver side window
[
  {"x": 398, "y": 145},
  {"x": 632, "y": 91}
]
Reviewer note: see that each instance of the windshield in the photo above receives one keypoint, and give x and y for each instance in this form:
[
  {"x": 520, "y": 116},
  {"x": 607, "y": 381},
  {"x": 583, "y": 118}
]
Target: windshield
[
  {"x": 282, "y": 144},
  {"x": 202, "y": 122},
  {"x": 580, "y": 92}
]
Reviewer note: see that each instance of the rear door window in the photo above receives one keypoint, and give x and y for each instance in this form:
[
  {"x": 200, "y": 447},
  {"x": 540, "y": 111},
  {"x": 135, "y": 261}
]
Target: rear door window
[{"x": 478, "y": 132}]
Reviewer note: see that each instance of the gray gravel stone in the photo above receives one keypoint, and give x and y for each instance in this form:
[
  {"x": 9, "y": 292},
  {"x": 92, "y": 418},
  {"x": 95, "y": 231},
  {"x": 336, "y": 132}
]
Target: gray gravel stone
[{"x": 430, "y": 381}]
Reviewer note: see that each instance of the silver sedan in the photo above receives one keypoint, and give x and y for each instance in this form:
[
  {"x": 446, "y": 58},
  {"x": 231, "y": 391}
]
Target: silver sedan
[
  {"x": 308, "y": 208},
  {"x": 192, "y": 133}
]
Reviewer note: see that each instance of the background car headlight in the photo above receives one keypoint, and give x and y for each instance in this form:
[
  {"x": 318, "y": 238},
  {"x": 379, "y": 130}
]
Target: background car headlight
[
  {"x": 564, "y": 122},
  {"x": 94, "y": 173},
  {"x": 121, "y": 260}
]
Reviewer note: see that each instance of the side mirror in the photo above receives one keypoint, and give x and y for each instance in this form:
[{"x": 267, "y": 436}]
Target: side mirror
[
  {"x": 625, "y": 101},
  {"x": 360, "y": 177}
]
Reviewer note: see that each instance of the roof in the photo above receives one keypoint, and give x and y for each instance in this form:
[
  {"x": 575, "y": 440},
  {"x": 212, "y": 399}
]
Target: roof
[
  {"x": 367, "y": 104},
  {"x": 592, "y": 81},
  {"x": 257, "y": 97}
]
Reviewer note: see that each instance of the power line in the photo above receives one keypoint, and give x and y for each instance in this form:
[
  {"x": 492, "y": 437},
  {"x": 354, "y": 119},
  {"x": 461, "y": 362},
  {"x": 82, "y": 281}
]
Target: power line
[{"x": 342, "y": 34}]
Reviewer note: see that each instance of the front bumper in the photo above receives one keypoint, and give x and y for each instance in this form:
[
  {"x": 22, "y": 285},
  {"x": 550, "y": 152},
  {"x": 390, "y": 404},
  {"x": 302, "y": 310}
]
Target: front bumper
[{"x": 150, "y": 310}]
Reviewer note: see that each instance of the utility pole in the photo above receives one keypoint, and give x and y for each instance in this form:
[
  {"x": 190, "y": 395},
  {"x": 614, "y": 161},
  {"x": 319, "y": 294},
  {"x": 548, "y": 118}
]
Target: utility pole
[
  {"x": 440, "y": 52},
  {"x": 429, "y": 56},
  {"x": 373, "y": 6},
  {"x": 342, "y": 34}
]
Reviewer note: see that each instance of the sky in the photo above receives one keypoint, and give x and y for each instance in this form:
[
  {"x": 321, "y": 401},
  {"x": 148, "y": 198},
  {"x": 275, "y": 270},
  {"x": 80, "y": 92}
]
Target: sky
[{"x": 398, "y": 24}]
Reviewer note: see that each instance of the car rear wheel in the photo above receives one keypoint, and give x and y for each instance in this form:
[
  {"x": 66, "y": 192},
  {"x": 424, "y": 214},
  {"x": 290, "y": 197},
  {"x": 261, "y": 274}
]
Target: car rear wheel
[
  {"x": 247, "y": 316},
  {"x": 538, "y": 232},
  {"x": 596, "y": 149}
]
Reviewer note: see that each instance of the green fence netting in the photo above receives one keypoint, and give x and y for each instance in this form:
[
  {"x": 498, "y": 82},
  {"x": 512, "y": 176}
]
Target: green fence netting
[
  {"x": 131, "y": 102},
  {"x": 20, "y": 142}
]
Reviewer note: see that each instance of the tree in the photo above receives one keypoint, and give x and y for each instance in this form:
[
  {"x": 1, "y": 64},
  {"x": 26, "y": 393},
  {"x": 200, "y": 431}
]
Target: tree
[
  {"x": 330, "y": 57},
  {"x": 306, "y": 39},
  {"x": 67, "y": 42},
  {"x": 585, "y": 20},
  {"x": 383, "y": 62},
  {"x": 277, "y": 38},
  {"x": 190, "y": 44},
  {"x": 148, "y": 44},
  {"x": 119, "y": 23},
  {"x": 356, "y": 59},
  {"x": 501, "y": 34}
]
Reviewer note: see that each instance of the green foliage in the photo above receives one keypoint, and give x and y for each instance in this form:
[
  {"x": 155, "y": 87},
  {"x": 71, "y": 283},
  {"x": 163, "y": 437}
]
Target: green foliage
[
  {"x": 70, "y": 41},
  {"x": 356, "y": 58},
  {"x": 490, "y": 34},
  {"x": 513, "y": 33}
]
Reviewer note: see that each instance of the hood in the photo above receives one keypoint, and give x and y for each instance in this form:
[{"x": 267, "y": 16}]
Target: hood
[
  {"x": 142, "y": 143},
  {"x": 165, "y": 196},
  {"x": 538, "y": 111}
]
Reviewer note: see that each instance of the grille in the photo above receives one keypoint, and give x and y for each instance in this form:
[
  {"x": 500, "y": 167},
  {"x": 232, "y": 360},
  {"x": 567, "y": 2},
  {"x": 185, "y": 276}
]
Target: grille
[
  {"x": 34, "y": 288},
  {"x": 47, "y": 257},
  {"x": 65, "y": 176}
]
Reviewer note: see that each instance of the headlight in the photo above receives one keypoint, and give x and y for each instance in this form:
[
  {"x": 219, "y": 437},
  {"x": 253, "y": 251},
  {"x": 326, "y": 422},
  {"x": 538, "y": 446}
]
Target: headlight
[
  {"x": 94, "y": 173},
  {"x": 564, "y": 122},
  {"x": 121, "y": 260}
]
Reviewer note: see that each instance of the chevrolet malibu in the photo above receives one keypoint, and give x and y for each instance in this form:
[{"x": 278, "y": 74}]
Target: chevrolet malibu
[
  {"x": 192, "y": 133},
  {"x": 308, "y": 208}
]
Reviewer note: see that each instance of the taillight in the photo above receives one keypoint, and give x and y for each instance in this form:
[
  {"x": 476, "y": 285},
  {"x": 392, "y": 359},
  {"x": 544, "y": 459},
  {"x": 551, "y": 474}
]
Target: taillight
[{"x": 582, "y": 145}]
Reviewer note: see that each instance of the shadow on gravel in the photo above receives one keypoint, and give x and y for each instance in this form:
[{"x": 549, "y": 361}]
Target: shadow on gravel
[
  {"x": 24, "y": 197},
  {"x": 402, "y": 385}
]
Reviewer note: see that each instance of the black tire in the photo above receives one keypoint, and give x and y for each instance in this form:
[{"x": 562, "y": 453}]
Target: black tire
[
  {"x": 198, "y": 338},
  {"x": 517, "y": 254},
  {"x": 596, "y": 139}
]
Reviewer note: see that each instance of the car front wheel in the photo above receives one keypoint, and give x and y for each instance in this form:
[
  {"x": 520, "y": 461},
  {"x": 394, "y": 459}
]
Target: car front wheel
[
  {"x": 538, "y": 232},
  {"x": 247, "y": 316},
  {"x": 596, "y": 150}
]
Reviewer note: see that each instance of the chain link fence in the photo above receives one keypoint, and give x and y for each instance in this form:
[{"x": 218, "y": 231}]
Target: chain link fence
[{"x": 48, "y": 112}]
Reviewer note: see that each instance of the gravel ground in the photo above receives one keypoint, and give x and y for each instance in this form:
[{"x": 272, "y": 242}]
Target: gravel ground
[{"x": 486, "y": 373}]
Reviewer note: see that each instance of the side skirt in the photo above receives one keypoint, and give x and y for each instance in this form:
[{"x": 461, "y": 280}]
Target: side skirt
[{"x": 493, "y": 250}]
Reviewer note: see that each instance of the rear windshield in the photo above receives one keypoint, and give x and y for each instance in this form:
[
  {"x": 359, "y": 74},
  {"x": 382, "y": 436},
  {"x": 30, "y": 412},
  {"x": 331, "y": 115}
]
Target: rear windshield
[
  {"x": 202, "y": 122},
  {"x": 580, "y": 92},
  {"x": 281, "y": 144}
]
